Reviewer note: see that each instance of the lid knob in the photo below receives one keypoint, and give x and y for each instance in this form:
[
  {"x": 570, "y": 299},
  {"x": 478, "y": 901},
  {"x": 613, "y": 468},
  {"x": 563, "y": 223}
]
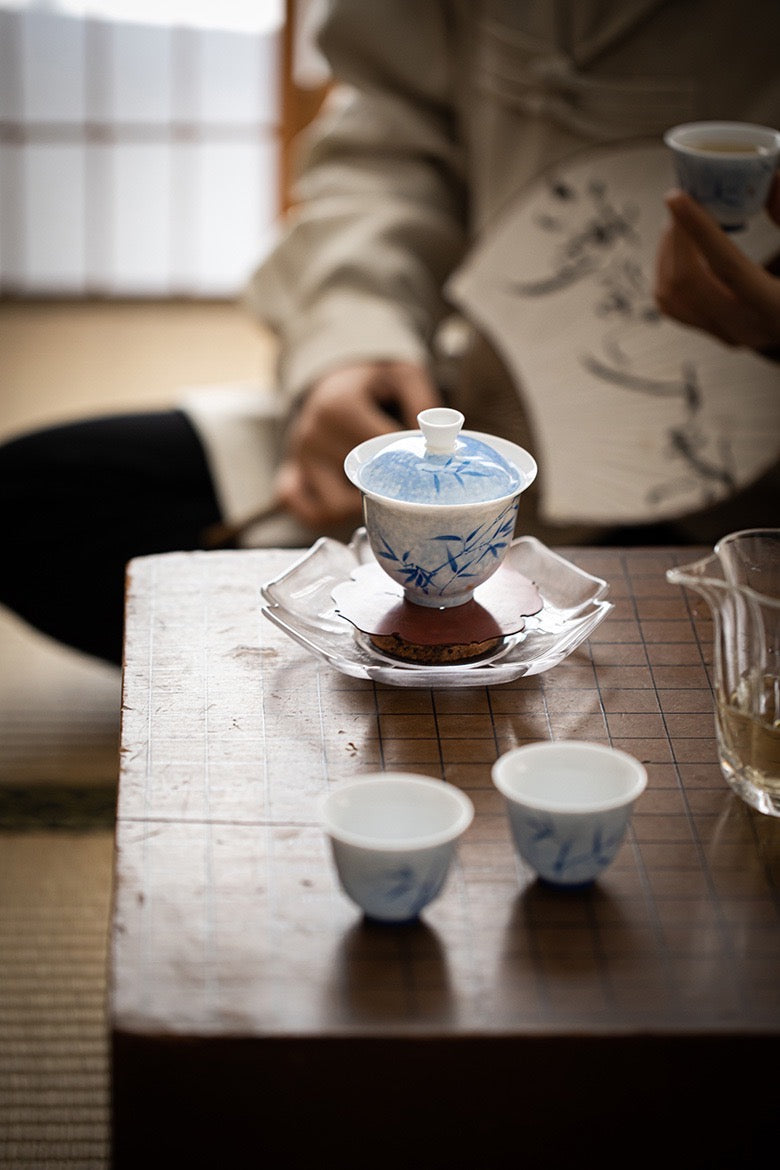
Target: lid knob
[{"x": 440, "y": 427}]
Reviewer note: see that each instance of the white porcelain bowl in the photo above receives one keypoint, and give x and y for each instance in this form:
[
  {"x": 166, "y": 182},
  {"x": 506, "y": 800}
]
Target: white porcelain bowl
[
  {"x": 393, "y": 836},
  {"x": 440, "y": 505},
  {"x": 569, "y": 804},
  {"x": 726, "y": 166}
]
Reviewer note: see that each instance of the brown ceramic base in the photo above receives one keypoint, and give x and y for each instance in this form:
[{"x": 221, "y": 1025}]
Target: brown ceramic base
[{"x": 375, "y": 605}]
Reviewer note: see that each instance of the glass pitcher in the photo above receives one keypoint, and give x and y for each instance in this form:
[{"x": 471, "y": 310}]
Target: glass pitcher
[{"x": 741, "y": 582}]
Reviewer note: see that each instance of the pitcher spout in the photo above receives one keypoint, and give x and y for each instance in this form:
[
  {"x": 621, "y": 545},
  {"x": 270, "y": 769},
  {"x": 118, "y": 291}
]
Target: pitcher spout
[{"x": 704, "y": 576}]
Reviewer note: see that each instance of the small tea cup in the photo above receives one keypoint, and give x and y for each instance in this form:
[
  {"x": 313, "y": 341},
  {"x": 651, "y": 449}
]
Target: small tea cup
[
  {"x": 569, "y": 804},
  {"x": 725, "y": 166},
  {"x": 393, "y": 836}
]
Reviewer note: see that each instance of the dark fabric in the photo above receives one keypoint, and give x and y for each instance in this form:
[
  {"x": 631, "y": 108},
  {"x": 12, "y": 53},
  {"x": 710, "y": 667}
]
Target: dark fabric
[{"x": 79, "y": 501}]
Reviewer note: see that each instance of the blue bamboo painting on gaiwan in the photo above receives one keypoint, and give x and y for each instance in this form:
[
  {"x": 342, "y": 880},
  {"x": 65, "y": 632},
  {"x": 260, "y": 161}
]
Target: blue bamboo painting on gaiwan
[
  {"x": 485, "y": 541},
  {"x": 459, "y": 469}
]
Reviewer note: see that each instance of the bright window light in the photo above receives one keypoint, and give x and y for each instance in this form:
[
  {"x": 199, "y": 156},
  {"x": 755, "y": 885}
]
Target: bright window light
[{"x": 256, "y": 16}]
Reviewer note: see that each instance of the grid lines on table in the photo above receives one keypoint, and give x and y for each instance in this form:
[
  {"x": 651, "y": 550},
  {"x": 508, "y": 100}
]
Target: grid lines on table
[{"x": 232, "y": 733}]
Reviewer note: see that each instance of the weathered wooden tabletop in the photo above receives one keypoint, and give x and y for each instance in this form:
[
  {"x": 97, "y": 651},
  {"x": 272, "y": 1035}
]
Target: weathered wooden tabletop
[{"x": 250, "y": 1003}]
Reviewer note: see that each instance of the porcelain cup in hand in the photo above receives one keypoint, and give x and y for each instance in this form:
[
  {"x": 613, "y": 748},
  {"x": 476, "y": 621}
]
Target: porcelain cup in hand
[
  {"x": 569, "y": 804},
  {"x": 393, "y": 836},
  {"x": 726, "y": 166}
]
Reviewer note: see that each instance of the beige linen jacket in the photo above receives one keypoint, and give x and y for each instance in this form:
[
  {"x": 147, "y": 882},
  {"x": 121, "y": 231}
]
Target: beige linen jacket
[{"x": 443, "y": 112}]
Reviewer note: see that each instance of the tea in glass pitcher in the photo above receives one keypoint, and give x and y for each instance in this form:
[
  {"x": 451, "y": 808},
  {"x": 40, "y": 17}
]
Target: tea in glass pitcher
[{"x": 741, "y": 583}]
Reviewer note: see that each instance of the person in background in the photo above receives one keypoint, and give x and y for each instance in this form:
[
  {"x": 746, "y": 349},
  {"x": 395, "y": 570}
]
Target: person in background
[{"x": 439, "y": 115}]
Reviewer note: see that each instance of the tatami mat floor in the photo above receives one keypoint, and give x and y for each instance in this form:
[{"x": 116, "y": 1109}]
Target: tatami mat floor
[
  {"x": 54, "y": 1078},
  {"x": 59, "y": 722}
]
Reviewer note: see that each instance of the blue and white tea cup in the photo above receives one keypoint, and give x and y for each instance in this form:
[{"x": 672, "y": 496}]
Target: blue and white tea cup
[
  {"x": 725, "y": 166},
  {"x": 393, "y": 836},
  {"x": 569, "y": 804}
]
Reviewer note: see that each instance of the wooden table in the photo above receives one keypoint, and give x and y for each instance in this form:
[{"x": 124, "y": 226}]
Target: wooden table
[{"x": 258, "y": 1020}]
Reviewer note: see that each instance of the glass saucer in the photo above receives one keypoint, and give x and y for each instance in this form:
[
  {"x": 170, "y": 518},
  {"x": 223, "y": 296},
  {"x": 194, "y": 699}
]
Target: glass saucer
[{"x": 300, "y": 602}]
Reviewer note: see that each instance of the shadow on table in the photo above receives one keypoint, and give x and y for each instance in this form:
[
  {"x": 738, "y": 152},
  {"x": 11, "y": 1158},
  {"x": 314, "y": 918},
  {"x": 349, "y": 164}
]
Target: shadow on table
[{"x": 393, "y": 973}]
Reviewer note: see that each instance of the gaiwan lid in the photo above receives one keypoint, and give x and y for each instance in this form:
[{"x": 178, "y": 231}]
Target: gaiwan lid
[{"x": 439, "y": 465}]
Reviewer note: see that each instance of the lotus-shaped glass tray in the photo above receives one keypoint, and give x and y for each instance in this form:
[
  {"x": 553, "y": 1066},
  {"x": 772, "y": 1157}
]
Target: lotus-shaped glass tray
[{"x": 300, "y": 601}]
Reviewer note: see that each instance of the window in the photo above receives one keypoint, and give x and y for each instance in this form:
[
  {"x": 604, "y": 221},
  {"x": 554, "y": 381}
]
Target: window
[{"x": 139, "y": 145}]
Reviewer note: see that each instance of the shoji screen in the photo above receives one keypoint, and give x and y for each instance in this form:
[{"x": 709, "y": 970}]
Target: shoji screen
[{"x": 135, "y": 159}]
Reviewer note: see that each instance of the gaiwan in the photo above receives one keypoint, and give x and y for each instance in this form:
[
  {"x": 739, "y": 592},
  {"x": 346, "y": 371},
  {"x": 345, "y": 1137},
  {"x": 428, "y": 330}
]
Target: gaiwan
[{"x": 440, "y": 504}]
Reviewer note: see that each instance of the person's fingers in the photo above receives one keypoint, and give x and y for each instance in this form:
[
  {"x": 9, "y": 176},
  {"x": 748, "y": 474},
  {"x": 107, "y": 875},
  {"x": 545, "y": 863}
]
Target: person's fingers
[
  {"x": 341, "y": 410},
  {"x": 725, "y": 258},
  {"x": 773, "y": 199},
  {"x": 332, "y": 425},
  {"x": 683, "y": 288},
  {"x": 357, "y": 404},
  {"x": 705, "y": 279},
  {"x": 414, "y": 390},
  {"x": 316, "y": 494}
]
